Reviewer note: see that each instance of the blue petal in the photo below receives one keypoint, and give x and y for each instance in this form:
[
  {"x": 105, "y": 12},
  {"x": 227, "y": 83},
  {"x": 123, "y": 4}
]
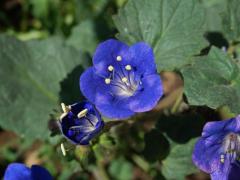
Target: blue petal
[
  {"x": 85, "y": 140},
  {"x": 90, "y": 83},
  {"x": 39, "y": 173},
  {"x": 230, "y": 172},
  {"x": 17, "y": 171},
  {"x": 148, "y": 98},
  {"x": 112, "y": 108},
  {"x": 234, "y": 173},
  {"x": 106, "y": 54},
  {"x": 218, "y": 175},
  {"x": 215, "y": 127},
  {"x": 142, "y": 58},
  {"x": 207, "y": 158}
]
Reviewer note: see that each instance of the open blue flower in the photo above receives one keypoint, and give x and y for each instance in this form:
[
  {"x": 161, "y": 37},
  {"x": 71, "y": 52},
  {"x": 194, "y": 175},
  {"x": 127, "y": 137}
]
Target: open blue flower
[
  {"x": 80, "y": 122},
  {"x": 18, "y": 171},
  {"x": 218, "y": 148},
  {"x": 123, "y": 79}
]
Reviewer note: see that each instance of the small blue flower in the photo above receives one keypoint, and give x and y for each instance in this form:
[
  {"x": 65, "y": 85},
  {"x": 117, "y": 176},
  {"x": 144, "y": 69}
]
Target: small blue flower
[
  {"x": 123, "y": 80},
  {"x": 80, "y": 122},
  {"x": 218, "y": 150},
  {"x": 18, "y": 171}
]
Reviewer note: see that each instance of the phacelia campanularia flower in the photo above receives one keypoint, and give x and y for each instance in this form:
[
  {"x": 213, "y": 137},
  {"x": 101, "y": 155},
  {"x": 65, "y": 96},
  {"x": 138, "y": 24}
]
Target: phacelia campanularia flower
[
  {"x": 217, "y": 152},
  {"x": 18, "y": 171},
  {"x": 80, "y": 122},
  {"x": 123, "y": 80}
]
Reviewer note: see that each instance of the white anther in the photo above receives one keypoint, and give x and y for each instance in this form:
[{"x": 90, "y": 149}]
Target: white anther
[
  {"x": 222, "y": 158},
  {"x": 110, "y": 68},
  {"x": 128, "y": 67},
  {"x": 107, "y": 81},
  {"x": 63, "y": 149},
  {"x": 65, "y": 108},
  {"x": 119, "y": 58},
  {"x": 124, "y": 79},
  {"x": 82, "y": 113}
]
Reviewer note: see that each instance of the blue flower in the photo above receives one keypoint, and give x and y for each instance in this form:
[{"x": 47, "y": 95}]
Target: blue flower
[
  {"x": 80, "y": 122},
  {"x": 218, "y": 150},
  {"x": 18, "y": 171},
  {"x": 123, "y": 80}
]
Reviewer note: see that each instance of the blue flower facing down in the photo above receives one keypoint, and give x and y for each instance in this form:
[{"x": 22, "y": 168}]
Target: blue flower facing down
[
  {"x": 80, "y": 122},
  {"x": 218, "y": 150},
  {"x": 18, "y": 171},
  {"x": 123, "y": 79}
]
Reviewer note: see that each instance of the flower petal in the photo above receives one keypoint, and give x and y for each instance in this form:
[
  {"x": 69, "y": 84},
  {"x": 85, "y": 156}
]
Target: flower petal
[
  {"x": 215, "y": 127},
  {"x": 234, "y": 173},
  {"x": 106, "y": 54},
  {"x": 111, "y": 107},
  {"x": 142, "y": 57},
  {"x": 17, "y": 171},
  {"x": 39, "y": 173},
  {"x": 90, "y": 84},
  {"x": 207, "y": 158},
  {"x": 148, "y": 98}
]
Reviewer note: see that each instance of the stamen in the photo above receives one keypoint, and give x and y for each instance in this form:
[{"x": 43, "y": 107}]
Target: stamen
[
  {"x": 82, "y": 113},
  {"x": 124, "y": 79},
  {"x": 231, "y": 146},
  {"x": 110, "y": 68},
  {"x": 119, "y": 58},
  {"x": 222, "y": 158},
  {"x": 63, "y": 149},
  {"x": 128, "y": 67},
  {"x": 107, "y": 81},
  {"x": 65, "y": 108}
]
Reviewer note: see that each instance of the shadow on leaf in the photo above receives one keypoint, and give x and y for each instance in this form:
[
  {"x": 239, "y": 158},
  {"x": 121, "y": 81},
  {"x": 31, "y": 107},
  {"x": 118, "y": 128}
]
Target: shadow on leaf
[
  {"x": 182, "y": 127},
  {"x": 70, "y": 90}
]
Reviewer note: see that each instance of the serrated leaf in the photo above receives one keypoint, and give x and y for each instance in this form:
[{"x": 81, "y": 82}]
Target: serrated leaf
[
  {"x": 231, "y": 20},
  {"x": 178, "y": 164},
  {"x": 214, "y": 81},
  {"x": 84, "y": 37},
  {"x": 174, "y": 28},
  {"x": 30, "y": 79}
]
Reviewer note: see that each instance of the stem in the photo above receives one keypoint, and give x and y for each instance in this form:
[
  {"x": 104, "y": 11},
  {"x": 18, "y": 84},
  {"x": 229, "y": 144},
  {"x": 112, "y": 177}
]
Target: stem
[
  {"x": 141, "y": 162},
  {"x": 177, "y": 103},
  {"x": 102, "y": 171}
]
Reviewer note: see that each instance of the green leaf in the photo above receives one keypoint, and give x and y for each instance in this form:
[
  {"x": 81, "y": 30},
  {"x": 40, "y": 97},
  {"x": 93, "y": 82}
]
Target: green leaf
[
  {"x": 214, "y": 9},
  {"x": 174, "y": 28},
  {"x": 121, "y": 169},
  {"x": 84, "y": 37},
  {"x": 40, "y": 8},
  {"x": 178, "y": 164},
  {"x": 214, "y": 81},
  {"x": 30, "y": 79},
  {"x": 231, "y": 20}
]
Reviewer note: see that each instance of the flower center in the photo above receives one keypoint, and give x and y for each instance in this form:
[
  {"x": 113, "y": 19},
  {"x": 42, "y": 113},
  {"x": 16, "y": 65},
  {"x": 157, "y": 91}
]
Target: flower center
[
  {"x": 231, "y": 147},
  {"x": 122, "y": 80}
]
